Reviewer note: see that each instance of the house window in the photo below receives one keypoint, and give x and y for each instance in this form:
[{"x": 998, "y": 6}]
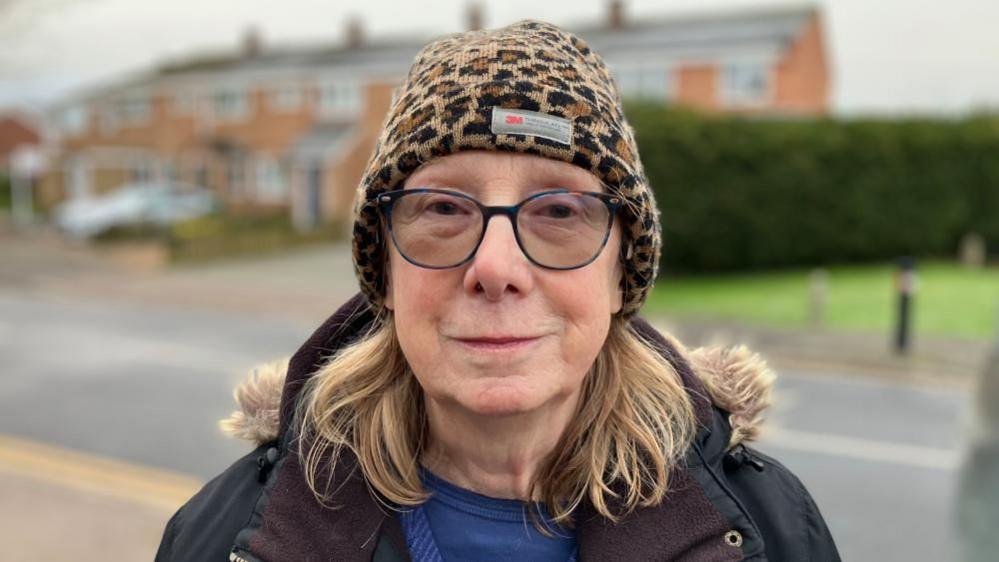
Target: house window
[
  {"x": 236, "y": 175},
  {"x": 140, "y": 171},
  {"x": 287, "y": 98},
  {"x": 201, "y": 175},
  {"x": 170, "y": 173},
  {"x": 133, "y": 111},
  {"x": 230, "y": 104},
  {"x": 745, "y": 83},
  {"x": 271, "y": 183},
  {"x": 184, "y": 103},
  {"x": 340, "y": 98},
  {"x": 110, "y": 119},
  {"x": 644, "y": 81},
  {"x": 73, "y": 120}
]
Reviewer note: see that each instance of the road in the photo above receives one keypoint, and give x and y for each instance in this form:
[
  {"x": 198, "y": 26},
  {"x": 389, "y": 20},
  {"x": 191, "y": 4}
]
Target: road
[
  {"x": 880, "y": 459},
  {"x": 146, "y": 382}
]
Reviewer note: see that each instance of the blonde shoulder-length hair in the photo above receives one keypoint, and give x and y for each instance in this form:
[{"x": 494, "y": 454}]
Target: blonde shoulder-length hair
[{"x": 633, "y": 424}]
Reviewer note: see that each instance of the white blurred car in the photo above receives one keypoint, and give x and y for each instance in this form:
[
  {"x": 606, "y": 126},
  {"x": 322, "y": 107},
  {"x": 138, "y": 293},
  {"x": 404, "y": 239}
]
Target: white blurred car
[{"x": 159, "y": 204}]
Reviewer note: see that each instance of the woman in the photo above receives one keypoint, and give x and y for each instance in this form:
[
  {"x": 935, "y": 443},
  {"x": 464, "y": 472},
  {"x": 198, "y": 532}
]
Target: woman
[{"x": 491, "y": 394}]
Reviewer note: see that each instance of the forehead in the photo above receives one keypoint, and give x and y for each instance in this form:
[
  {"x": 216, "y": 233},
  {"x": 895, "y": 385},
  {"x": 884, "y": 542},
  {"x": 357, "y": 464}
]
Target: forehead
[{"x": 477, "y": 170}]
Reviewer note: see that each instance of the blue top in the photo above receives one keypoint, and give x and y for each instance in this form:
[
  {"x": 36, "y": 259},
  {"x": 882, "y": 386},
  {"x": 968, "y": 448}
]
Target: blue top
[{"x": 456, "y": 524}]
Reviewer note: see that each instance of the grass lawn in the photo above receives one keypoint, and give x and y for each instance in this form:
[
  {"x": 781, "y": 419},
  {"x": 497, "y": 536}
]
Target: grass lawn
[{"x": 950, "y": 300}]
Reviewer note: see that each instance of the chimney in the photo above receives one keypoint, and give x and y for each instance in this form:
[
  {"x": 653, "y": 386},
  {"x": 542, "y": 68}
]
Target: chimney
[
  {"x": 473, "y": 16},
  {"x": 615, "y": 14},
  {"x": 355, "y": 33},
  {"x": 252, "y": 42}
]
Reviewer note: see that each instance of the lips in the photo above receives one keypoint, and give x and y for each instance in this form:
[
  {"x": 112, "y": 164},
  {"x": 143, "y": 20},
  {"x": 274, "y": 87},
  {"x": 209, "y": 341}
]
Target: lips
[
  {"x": 493, "y": 343},
  {"x": 496, "y": 340}
]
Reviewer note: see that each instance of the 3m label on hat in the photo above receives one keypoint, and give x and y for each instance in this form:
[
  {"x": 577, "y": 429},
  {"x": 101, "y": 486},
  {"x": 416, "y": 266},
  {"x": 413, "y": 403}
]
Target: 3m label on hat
[{"x": 524, "y": 122}]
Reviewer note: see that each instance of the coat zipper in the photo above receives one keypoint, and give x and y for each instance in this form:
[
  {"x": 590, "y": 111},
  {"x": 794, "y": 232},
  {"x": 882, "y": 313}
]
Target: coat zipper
[
  {"x": 265, "y": 463},
  {"x": 735, "y": 500},
  {"x": 239, "y": 555}
]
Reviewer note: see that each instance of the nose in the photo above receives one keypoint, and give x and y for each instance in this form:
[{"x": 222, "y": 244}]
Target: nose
[{"x": 499, "y": 266}]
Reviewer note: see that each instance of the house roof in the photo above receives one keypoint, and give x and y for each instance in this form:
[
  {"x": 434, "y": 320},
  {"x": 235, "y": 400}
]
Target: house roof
[
  {"x": 774, "y": 27},
  {"x": 760, "y": 30},
  {"x": 14, "y": 132},
  {"x": 394, "y": 50},
  {"x": 771, "y": 27}
]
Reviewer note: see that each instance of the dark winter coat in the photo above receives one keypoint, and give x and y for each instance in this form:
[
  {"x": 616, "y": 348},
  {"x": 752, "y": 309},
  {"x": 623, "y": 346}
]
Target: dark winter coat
[{"x": 727, "y": 502}]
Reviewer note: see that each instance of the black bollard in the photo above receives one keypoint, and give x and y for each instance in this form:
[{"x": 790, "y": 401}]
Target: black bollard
[{"x": 905, "y": 284}]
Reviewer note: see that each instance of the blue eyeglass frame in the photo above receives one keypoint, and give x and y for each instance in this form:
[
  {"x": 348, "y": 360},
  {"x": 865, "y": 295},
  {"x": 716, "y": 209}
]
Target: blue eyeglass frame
[{"x": 386, "y": 200}]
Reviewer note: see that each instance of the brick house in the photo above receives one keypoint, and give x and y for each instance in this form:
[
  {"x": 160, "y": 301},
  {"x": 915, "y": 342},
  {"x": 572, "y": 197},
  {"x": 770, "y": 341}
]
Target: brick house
[
  {"x": 16, "y": 131},
  {"x": 272, "y": 128},
  {"x": 264, "y": 129},
  {"x": 760, "y": 60}
]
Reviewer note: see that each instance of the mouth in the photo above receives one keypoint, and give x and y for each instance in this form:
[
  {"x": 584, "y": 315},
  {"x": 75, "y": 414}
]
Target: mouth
[{"x": 497, "y": 343}]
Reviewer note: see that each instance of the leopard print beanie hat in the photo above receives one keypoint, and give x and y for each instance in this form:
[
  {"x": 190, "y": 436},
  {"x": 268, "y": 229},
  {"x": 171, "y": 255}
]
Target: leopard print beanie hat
[{"x": 529, "y": 87}]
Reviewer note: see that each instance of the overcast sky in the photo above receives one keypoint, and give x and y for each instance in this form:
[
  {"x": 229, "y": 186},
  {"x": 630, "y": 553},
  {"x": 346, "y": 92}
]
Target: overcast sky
[{"x": 887, "y": 55}]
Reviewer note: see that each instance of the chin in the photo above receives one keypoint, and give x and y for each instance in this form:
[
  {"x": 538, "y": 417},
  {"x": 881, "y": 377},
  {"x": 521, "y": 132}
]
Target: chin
[{"x": 502, "y": 401}]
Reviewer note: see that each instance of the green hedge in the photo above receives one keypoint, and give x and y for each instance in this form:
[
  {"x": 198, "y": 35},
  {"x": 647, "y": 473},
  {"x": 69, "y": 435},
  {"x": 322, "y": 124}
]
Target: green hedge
[
  {"x": 5, "y": 195},
  {"x": 746, "y": 193}
]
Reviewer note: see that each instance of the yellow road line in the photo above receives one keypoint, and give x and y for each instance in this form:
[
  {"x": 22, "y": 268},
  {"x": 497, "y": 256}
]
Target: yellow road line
[{"x": 90, "y": 473}]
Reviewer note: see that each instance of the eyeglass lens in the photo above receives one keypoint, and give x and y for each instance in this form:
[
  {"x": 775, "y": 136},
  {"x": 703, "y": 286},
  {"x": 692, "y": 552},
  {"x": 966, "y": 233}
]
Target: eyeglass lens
[{"x": 558, "y": 230}]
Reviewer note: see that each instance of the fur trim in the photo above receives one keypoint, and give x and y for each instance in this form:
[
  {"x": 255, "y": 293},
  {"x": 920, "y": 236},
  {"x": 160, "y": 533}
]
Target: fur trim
[
  {"x": 740, "y": 383},
  {"x": 737, "y": 380},
  {"x": 259, "y": 401}
]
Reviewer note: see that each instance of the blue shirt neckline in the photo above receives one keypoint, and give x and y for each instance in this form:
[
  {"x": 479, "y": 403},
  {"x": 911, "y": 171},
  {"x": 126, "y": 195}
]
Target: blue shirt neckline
[
  {"x": 474, "y": 503},
  {"x": 459, "y": 524}
]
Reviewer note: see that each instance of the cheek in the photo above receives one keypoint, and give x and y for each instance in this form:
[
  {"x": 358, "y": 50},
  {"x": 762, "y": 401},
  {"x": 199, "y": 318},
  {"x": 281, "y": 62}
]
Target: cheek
[
  {"x": 595, "y": 290},
  {"x": 410, "y": 288},
  {"x": 418, "y": 297},
  {"x": 409, "y": 295},
  {"x": 586, "y": 301}
]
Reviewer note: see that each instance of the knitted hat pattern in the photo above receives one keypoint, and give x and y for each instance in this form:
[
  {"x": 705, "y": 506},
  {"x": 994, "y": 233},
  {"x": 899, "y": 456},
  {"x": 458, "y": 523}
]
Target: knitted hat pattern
[{"x": 456, "y": 89}]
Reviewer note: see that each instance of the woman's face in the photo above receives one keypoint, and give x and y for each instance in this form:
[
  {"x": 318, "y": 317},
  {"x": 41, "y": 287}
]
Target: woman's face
[{"x": 558, "y": 319}]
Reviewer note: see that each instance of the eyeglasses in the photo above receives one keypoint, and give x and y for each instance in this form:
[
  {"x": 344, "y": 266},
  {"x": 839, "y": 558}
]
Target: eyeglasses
[{"x": 441, "y": 229}]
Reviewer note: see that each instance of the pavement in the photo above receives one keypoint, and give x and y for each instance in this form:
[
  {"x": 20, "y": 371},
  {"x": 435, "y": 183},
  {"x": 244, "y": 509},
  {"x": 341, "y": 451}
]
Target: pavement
[
  {"x": 73, "y": 504},
  {"x": 58, "y": 523},
  {"x": 60, "y": 504}
]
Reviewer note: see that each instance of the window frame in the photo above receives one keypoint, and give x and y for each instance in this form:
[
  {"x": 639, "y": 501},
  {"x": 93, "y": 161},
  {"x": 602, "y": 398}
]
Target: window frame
[
  {"x": 733, "y": 95},
  {"x": 351, "y": 93}
]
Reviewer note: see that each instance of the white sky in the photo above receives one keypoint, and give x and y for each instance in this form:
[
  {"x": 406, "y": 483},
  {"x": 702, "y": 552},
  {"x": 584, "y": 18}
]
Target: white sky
[{"x": 888, "y": 56}]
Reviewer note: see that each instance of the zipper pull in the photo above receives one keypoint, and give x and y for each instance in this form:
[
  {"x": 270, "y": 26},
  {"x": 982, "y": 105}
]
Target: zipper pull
[
  {"x": 740, "y": 456},
  {"x": 234, "y": 555},
  {"x": 237, "y": 554},
  {"x": 752, "y": 460},
  {"x": 265, "y": 463}
]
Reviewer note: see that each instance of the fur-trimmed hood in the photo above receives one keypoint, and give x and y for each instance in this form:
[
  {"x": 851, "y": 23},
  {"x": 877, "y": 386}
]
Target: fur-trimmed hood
[{"x": 737, "y": 380}]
